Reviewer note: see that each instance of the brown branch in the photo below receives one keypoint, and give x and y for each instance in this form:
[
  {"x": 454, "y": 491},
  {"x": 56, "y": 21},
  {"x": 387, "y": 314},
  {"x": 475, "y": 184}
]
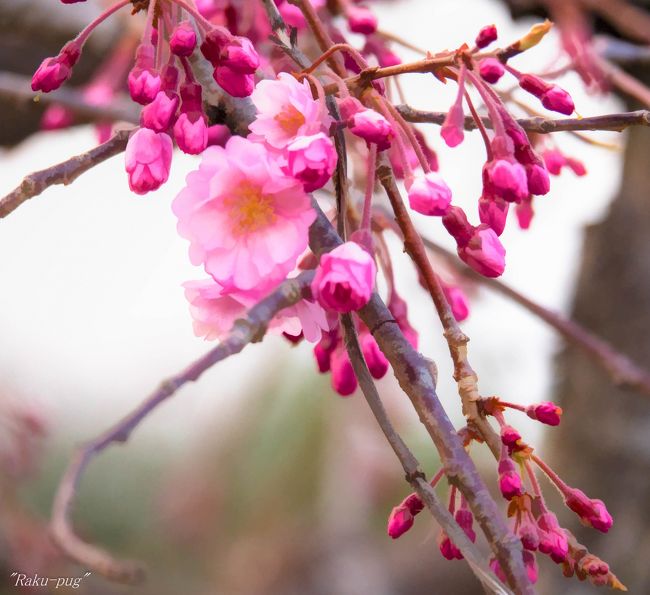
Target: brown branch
[
  {"x": 622, "y": 370},
  {"x": 617, "y": 122},
  {"x": 65, "y": 172},
  {"x": 411, "y": 465},
  {"x": 17, "y": 87},
  {"x": 416, "y": 380},
  {"x": 456, "y": 339},
  {"x": 246, "y": 330}
]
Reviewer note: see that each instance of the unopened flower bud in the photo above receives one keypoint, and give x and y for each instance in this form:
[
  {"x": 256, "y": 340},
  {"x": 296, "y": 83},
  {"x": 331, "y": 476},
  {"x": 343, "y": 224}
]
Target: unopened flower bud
[
  {"x": 548, "y": 413},
  {"x": 509, "y": 479},
  {"x": 148, "y": 159},
  {"x": 592, "y": 513},
  {"x": 375, "y": 359},
  {"x": 344, "y": 381},
  {"x": 361, "y": 20},
  {"x": 183, "y": 39},
  {"x": 486, "y": 36},
  {"x": 491, "y": 70},
  {"x": 484, "y": 252},
  {"x": 553, "y": 541},
  {"x": 429, "y": 194}
]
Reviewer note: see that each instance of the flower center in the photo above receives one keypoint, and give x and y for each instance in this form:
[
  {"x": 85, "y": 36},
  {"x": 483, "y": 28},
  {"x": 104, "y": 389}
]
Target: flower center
[
  {"x": 249, "y": 209},
  {"x": 290, "y": 120}
]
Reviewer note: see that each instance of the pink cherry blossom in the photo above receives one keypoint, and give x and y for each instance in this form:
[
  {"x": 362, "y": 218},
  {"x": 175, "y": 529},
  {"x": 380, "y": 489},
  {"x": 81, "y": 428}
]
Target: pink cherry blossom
[
  {"x": 312, "y": 159},
  {"x": 148, "y": 158},
  {"x": 592, "y": 513},
  {"x": 246, "y": 220},
  {"x": 160, "y": 113},
  {"x": 344, "y": 382},
  {"x": 345, "y": 278},
  {"x": 183, "y": 39},
  {"x": 285, "y": 111},
  {"x": 506, "y": 178},
  {"x": 491, "y": 70},
  {"x": 191, "y": 133},
  {"x": 429, "y": 194},
  {"x": 484, "y": 252},
  {"x": 305, "y": 317},
  {"x": 548, "y": 413}
]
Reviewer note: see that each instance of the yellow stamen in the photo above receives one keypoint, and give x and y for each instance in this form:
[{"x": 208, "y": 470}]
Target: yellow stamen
[
  {"x": 249, "y": 209},
  {"x": 290, "y": 120}
]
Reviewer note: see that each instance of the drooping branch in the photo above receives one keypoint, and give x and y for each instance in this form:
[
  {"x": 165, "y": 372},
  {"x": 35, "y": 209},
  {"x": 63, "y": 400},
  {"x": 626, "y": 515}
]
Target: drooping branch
[
  {"x": 416, "y": 380},
  {"x": 622, "y": 370},
  {"x": 616, "y": 122},
  {"x": 65, "y": 172},
  {"x": 246, "y": 330},
  {"x": 411, "y": 465},
  {"x": 17, "y": 87}
]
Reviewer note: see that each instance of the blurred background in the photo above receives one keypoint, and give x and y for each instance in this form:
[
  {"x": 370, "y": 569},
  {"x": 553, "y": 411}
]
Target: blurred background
[{"x": 259, "y": 479}]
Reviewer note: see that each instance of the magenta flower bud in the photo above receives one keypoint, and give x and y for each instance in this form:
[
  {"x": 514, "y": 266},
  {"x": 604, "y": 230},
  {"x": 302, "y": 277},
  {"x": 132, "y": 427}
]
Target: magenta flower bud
[
  {"x": 592, "y": 513},
  {"x": 159, "y": 114},
  {"x": 557, "y": 99},
  {"x": 148, "y": 158},
  {"x": 491, "y": 70},
  {"x": 448, "y": 548},
  {"x": 528, "y": 534},
  {"x": 361, "y": 20},
  {"x": 576, "y": 166},
  {"x": 322, "y": 355},
  {"x": 214, "y": 43},
  {"x": 493, "y": 212},
  {"x": 537, "y": 178},
  {"x": 345, "y": 278},
  {"x": 552, "y": 539},
  {"x": 533, "y": 85},
  {"x": 56, "y": 117},
  {"x": 241, "y": 56},
  {"x": 509, "y": 436},
  {"x": 554, "y": 161},
  {"x": 452, "y": 130},
  {"x": 144, "y": 85},
  {"x": 191, "y": 133},
  {"x": 496, "y": 568},
  {"x": 429, "y": 194},
  {"x": 455, "y": 222},
  {"x": 548, "y": 413},
  {"x": 484, "y": 252},
  {"x": 530, "y": 562},
  {"x": 486, "y": 36},
  {"x": 457, "y": 301},
  {"x": 509, "y": 479},
  {"x": 375, "y": 359},
  {"x": 218, "y": 135},
  {"x": 53, "y": 72},
  {"x": 506, "y": 178},
  {"x": 372, "y": 127},
  {"x": 525, "y": 213},
  {"x": 312, "y": 159},
  {"x": 234, "y": 83},
  {"x": 400, "y": 521},
  {"x": 344, "y": 381},
  {"x": 414, "y": 503},
  {"x": 183, "y": 39},
  {"x": 465, "y": 520}
]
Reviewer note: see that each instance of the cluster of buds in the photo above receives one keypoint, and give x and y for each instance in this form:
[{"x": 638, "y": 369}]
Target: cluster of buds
[
  {"x": 531, "y": 520},
  {"x": 173, "y": 110}
]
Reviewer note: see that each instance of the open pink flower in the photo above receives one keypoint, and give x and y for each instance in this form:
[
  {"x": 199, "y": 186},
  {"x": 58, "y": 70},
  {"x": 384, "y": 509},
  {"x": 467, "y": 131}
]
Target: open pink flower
[
  {"x": 247, "y": 221},
  {"x": 286, "y": 110},
  {"x": 215, "y": 309}
]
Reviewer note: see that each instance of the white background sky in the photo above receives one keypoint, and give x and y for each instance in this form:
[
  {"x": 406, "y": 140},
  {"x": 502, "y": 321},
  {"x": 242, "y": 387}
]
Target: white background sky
[{"x": 92, "y": 315}]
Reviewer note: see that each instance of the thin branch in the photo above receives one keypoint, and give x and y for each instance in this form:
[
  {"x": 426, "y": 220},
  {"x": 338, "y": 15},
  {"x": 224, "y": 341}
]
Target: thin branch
[
  {"x": 411, "y": 465},
  {"x": 457, "y": 341},
  {"x": 65, "y": 172},
  {"x": 16, "y": 87},
  {"x": 622, "y": 370},
  {"x": 416, "y": 380},
  {"x": 247, "y": 330},
  {"x": 617, "y": 122}
]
